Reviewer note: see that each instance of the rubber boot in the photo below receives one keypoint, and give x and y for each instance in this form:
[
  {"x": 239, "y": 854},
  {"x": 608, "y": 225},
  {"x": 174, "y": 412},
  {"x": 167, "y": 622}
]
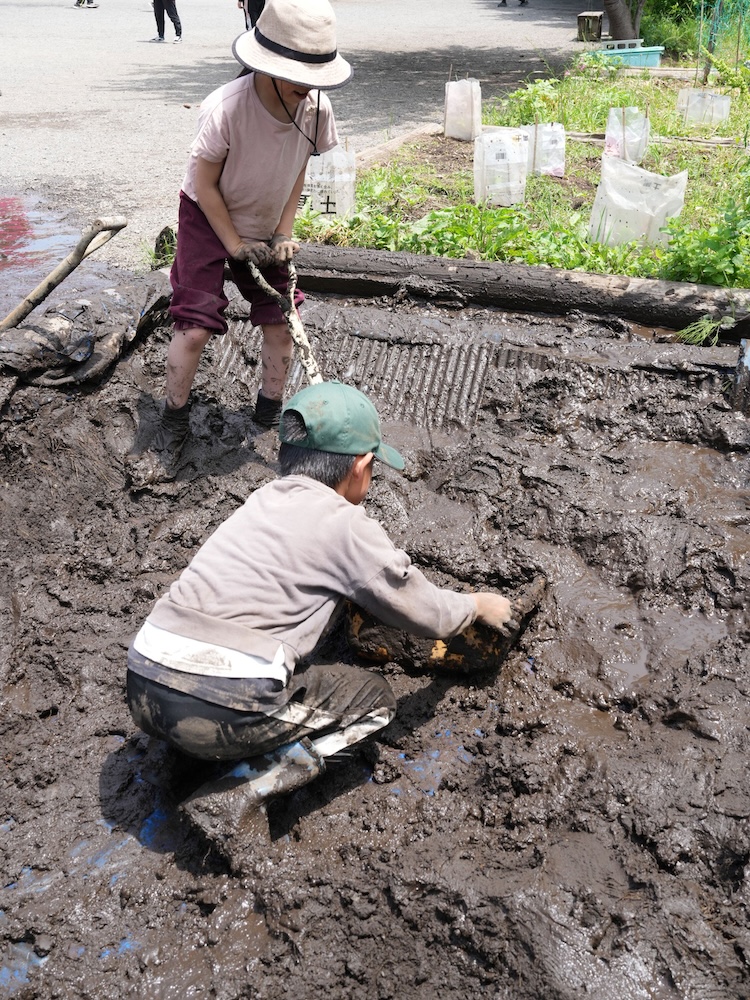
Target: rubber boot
[
  {"x": 267, "y": 411},
  {"x": 230, "y": 810},
  {"x": 160, "y": 460},
  {"x": 171, "y": 435}
]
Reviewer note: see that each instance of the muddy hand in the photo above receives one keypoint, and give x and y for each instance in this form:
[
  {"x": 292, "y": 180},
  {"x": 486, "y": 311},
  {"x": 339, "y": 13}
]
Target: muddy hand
[
  {"x": 523, "y": 605},
  {"x": 493, "y": 610},
  {"x": 255, "y": 252},
  {"x": 283, "y": 247}
]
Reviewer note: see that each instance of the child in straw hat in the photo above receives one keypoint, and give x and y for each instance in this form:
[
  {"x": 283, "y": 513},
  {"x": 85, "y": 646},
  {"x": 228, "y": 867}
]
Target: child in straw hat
[{"x": 240, "y": 195}]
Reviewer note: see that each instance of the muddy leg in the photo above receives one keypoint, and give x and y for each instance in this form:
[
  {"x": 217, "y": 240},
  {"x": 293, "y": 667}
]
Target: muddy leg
[
  {"x": 276, "y": 356},
  {"x": 183, "y": 357}
]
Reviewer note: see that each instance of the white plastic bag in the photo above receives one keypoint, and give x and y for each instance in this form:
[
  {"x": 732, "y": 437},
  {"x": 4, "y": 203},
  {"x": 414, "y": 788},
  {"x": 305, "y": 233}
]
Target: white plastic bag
[
  {"x": 703, "y": 107},
  {"x": 546, "y": 148},
  {"x": 501, "y": 157},
  {"x": 329, "y": 182},
  {"x": 627, "y": 134},
  {"x": 633, "y": 204},
  {"x": 463, "y": 110}
]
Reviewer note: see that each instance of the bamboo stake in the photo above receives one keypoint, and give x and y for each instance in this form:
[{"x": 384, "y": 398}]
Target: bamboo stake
[
  {"x": 297, "y": 331},
  {"x": 712, "y": 37},
  {"x": 740, "y": 21}
]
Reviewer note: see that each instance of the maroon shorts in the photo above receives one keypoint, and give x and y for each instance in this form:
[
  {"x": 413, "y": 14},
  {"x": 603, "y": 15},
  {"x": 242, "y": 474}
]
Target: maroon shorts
[{"x": 197, "y": 278}]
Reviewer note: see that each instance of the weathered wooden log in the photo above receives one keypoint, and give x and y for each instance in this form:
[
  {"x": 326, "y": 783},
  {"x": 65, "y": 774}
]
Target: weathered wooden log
[{"x": 670, "y": 304}]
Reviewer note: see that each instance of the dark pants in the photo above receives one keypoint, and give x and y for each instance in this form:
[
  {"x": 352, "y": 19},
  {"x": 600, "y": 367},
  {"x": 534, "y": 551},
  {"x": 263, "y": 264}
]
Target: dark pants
[
  {"x": 170, "y": 6},
  {"x": 324, "y": 699},
  {"x": 197, "y": 278},
  {"x": 253, "y": 10}
]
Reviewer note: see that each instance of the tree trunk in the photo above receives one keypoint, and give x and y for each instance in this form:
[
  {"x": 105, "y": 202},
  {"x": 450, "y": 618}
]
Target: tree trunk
[
  {"x": 370, "y": 273},
  {"x": 620, "y": 21},
  {"x": 637, "y": 18}
]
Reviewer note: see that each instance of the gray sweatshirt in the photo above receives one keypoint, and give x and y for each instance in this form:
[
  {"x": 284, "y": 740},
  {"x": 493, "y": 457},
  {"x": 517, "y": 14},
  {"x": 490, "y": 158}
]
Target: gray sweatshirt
[{"x": 275, "y": 571}]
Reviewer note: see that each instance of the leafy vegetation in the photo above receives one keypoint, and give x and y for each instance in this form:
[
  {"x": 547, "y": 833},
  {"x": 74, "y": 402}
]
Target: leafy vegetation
[{"x": 414, "y": 206}]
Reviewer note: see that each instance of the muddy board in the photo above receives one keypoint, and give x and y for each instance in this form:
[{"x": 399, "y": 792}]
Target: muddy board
[{"x": 573, "y": 822}]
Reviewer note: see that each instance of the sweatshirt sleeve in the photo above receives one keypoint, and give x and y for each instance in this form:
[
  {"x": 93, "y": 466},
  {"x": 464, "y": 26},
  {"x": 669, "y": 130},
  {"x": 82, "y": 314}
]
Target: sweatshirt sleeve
[{"x": 400, "y": 595}]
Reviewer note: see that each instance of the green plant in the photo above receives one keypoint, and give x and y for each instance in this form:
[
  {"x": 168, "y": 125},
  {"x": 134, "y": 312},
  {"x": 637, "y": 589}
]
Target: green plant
[
  {"x": 412, "y": 205},
  {"x": 717, "y": 254},
  {"x": 704, "y": 332},
  {"x": 679, "y": 37},
  {"x": 733, "y": 77},
  {"x": 536, "y": 101},
  {"x": 163, "y": 252}
]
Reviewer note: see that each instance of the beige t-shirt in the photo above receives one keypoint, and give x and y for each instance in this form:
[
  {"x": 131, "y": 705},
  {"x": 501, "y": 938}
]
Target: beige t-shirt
[{"x": 262, "y": 157}]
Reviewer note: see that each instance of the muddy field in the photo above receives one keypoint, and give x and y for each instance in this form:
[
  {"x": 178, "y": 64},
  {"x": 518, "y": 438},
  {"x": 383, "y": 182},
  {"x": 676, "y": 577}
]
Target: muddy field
[{"x": 572, "y": 824}]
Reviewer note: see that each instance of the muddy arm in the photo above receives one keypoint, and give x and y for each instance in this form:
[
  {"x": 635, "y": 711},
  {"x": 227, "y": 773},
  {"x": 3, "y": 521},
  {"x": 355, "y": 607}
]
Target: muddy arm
[{"x": 98, "y": 233}]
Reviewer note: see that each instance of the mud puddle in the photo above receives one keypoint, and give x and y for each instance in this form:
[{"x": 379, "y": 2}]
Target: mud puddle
[
  {"x": 574, "y": 823},
  {"x": 33, "y": 241}
]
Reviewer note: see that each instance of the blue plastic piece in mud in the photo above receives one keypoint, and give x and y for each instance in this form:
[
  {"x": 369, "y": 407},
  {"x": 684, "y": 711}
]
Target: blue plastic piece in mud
[
  {"x": 15, "y": 972},
  {"x": 126, "y": 945},
  {"x": 151, "y": 827}
]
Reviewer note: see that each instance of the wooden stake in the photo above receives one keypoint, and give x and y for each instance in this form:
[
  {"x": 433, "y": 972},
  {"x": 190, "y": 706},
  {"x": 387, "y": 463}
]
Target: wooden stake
[{"x": 293, "y": 322}]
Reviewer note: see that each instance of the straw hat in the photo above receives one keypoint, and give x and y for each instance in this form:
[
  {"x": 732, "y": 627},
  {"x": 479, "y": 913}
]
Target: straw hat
[{"x": 295, "y": 40}]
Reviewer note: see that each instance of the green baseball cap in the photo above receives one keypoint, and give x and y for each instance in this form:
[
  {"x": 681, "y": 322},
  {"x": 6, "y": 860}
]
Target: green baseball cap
[{"x": 341, "y": 419}]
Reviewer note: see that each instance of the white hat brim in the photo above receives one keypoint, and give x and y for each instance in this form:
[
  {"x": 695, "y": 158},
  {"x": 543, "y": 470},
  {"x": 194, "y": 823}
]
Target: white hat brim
[{"x": 321, "y": 76}]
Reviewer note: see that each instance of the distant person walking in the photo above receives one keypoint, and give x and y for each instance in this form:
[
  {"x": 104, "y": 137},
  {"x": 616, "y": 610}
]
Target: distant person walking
[
  {"x": 252, "y": 10},
  {"x": 170, "y": 6}
]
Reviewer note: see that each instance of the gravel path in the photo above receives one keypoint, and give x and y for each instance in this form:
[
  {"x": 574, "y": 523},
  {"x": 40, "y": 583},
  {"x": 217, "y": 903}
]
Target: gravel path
[{"x": 95, "y": 119}]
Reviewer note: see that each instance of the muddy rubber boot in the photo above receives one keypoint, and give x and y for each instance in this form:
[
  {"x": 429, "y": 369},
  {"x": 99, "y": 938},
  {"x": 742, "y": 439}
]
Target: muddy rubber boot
[
  {"x": 267, "y": 411},
  {"x": 230, "y": 810},
  {"x": 172, "y": 432},
  {"x": 161, "y": 459}
]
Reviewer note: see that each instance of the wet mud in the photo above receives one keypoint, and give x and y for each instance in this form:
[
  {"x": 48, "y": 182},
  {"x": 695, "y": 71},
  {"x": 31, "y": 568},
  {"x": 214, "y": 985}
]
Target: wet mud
[{"x": 571, "y": 822}]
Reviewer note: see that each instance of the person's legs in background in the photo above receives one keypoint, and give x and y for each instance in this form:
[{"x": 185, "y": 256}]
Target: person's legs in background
[
  {"x": 159, "y": 16},
  {"x": 170, "y": 6},
  {"x": 253, "y": 10}
]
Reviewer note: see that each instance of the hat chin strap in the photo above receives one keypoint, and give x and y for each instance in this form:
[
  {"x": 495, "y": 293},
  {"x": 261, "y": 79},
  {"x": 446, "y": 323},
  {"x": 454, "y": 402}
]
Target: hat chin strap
[
  {"x": 283, "y": 50},
  {"x": 313, "y": 142}
]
